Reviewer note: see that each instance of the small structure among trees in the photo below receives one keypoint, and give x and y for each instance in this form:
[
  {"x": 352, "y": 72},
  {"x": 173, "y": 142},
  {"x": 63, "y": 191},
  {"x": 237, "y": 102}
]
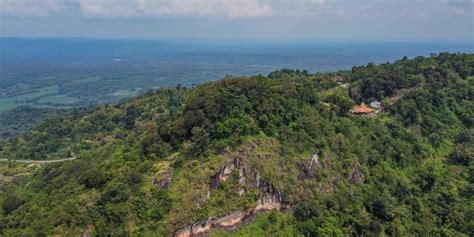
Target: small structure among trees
[
  {"x": 376, "y": 104},
  {"x": 340, "y": 80},
  {"x": 361, "y": 109}
]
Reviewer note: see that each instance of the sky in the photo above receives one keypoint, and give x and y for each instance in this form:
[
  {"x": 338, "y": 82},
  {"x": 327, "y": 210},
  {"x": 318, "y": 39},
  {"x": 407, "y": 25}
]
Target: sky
[{"x": 366, "y": 20}]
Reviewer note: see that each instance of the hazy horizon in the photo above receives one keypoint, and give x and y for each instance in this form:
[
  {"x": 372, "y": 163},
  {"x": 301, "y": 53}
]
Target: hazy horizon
[
  {"x": 225, "y": 40},
  {"x": 325, "y": 20}
]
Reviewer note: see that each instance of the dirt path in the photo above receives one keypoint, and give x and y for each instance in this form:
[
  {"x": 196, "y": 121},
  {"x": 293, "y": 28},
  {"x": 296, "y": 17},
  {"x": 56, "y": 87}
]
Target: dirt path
[
  {"x": 38, "y": 161},
  {"x": 73, "y": 156}
]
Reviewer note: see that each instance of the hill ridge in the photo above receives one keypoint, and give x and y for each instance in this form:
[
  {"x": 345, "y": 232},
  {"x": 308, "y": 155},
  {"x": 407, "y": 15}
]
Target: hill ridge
[{"x": 175, "y": 157}]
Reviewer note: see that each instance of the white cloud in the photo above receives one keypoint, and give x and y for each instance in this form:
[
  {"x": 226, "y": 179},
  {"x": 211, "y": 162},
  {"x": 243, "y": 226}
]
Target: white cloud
[
  {"x": 304, "y": 7},
  {"x": 152, "y": 8},
  {"x": 233, "y": 8},
  {"x": 139, "y": 8},
  {"x": 312, "y": 2},
  {"x": 460, "y": 6},
  {"x": 30, "y": 7}
]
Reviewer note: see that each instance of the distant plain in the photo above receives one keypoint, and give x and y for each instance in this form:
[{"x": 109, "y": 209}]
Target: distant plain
[{"x": 77, "y": 72}]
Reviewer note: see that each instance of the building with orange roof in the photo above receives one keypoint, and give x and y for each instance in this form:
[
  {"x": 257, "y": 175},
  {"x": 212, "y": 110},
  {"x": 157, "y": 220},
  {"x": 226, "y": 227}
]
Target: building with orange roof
[{"x": 361, "y": 109}]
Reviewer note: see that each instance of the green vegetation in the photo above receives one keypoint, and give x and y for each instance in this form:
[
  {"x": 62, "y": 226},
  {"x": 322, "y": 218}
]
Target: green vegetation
[
  {"x": 84, "y": 80},
  {"x": 43, "y": 97},
  {"x": 21, "y": 119},
  {"x": 266, "y": 224},
  {"x": 58, "y": 100},
  {"x": 148, "y": 166},
  {"x": 126, "y": 93},
  {"x": 25, "y": 99}
]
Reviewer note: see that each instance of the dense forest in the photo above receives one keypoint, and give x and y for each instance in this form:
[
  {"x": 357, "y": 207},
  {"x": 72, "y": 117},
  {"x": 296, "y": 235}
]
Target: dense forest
[
  {"x": 19, "y": 120},
  {"x": 286, "y": 143}
]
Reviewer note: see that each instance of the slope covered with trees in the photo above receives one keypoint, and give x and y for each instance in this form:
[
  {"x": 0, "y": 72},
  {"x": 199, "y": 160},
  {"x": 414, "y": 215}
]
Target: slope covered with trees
[
  {"x": 173, "y": 157},
  {"x": 22, "y": 119}
]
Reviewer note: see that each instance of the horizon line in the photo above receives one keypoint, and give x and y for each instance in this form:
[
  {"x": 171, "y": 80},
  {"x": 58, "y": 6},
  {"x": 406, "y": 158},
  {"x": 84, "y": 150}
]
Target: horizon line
[{"x": 322, "y": 40}]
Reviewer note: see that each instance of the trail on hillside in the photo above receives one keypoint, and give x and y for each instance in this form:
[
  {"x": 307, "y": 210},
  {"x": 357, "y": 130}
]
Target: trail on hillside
[
  {"x": 73, "y": 157},
  {"x": 38, "y": 161}
]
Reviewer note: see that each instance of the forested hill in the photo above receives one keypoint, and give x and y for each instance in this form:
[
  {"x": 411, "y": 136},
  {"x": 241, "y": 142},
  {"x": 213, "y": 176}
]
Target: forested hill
[{"x": 275, "y": 155}]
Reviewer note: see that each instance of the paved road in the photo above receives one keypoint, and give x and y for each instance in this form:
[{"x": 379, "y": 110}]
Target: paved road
[{"x": 38, "y": 161}]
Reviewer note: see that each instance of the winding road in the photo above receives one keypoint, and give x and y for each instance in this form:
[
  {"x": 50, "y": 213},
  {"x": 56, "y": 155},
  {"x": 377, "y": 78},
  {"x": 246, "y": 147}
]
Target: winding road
[
  {"x": 38, "y": 161},
  {"x": 73, "y": 156}
]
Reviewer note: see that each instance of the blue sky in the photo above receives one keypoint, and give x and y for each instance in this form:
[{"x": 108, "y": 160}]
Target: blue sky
[{"x": 434, "y": 20}]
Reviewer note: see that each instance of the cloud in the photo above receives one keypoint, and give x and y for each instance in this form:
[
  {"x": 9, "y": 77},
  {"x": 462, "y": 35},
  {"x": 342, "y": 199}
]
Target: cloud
[
  {"x": 138, "y": 8},
  {"x": 234, "y": 8},
  {"x": 190, "y": 8},
  {"x": 304, "y": 8},
  {"x": 30, "y": 7},
  {"x": 461, "y": 6}
]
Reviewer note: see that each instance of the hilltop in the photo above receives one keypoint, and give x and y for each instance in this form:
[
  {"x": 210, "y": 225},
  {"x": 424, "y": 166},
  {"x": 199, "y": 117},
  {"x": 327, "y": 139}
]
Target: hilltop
[{"x": 263, "y": 155}]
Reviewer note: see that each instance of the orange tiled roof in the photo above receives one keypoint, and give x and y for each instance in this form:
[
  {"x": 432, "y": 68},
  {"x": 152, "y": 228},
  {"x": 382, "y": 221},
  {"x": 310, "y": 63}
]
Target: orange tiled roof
[{"x": 361, "y": 109}]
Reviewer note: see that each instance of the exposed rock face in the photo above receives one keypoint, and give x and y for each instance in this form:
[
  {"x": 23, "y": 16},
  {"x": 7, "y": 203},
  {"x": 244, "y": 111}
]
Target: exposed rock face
[
  {"x": 335, "y": 182},
  {"x": 163, "y": 181},
  {"x": 242, "y": 180},
  {"x": 197, "y": 228},
  {"x": 314, "y": 161},
  {"x": 87, "y": 232},
  {"x": 356, "y": 176},
  {"x": 270, "y": 199},
  {"x": 19, "y": 178},
  {"x": 224, "y": 173},
  {"x": 231, "y": 221},
  {"x": 308, "y": 170},
  {"x": 185, "y": 231},
  {"x": 257, "y": 179}
]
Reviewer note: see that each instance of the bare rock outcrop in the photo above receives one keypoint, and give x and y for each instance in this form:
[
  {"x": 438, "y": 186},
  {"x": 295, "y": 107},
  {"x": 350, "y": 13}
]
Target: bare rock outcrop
[
  {"x": 270, "y": 199},
  {"x": 309, "y": 169},
  {"x": 163, "y": 181},
  {"x": 19, "y": 178},
  {"x": 233, "y": 220},
  {"x": 235, "y": 163},
  {"x": 224, "y": 173},
  {"x": 356, "y": 175},
  {"x": 228, "y": 222},
  {"x": 248, "y": 178}
]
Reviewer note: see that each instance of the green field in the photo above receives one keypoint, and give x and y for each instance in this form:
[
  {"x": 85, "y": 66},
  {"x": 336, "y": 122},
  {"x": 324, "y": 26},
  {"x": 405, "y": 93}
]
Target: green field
[
  {"x": 126, "y": 92},
  {"x": 85, "y": 80},
  {"x": 43, "y": 97},
  {"x": 58, "y": 99},
  {"x": 13, "y": 102}
]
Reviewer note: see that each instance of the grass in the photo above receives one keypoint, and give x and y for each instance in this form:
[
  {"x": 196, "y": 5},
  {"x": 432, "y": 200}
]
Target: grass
[
  {"x": 43, "y": 97},
  {"x": 125, "y": 93},
  {"x": 13, "y": 102},
  {"x": 58, "y": 99},
  {"x": 85, "y": 80},
  {"x": 7, "y": 104}
]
